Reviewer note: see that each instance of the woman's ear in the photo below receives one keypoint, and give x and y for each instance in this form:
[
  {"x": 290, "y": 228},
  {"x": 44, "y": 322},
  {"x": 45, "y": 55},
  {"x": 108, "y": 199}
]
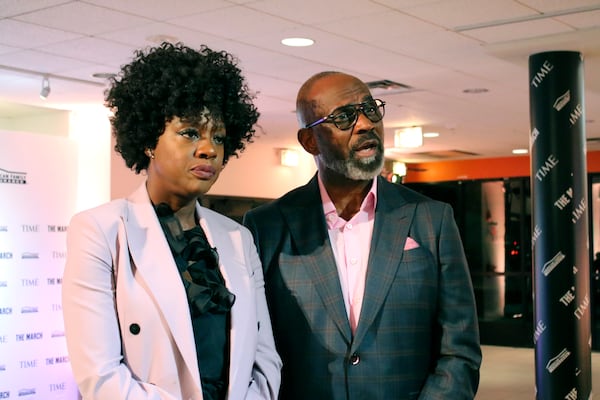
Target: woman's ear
[{"x": 306, "y": 137}]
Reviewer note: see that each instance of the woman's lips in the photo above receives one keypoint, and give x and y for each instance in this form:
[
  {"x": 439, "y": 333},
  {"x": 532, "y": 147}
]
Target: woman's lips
[{"x": 204, "y": 171}]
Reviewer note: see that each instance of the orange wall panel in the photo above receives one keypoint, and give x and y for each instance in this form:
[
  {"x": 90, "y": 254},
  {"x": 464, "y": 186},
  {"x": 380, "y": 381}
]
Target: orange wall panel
[{"x": 483, "y": 168}]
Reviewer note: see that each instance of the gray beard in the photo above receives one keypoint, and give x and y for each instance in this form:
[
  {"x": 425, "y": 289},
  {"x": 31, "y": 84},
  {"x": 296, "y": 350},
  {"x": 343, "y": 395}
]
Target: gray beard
[{"x": 355, "y": 169}]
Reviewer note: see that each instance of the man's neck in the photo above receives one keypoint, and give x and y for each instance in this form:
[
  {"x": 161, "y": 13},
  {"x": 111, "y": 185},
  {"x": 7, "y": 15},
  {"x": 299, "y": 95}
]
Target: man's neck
[{"x": 346, "y": 194}]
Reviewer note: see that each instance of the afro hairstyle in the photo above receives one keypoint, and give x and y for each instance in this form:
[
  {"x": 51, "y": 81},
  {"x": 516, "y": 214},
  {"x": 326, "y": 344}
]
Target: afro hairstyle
[{"x": 174, "y": 80}]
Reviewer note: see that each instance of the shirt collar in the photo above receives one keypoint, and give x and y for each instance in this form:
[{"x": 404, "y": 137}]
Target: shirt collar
[{"x": 331, "y": 217}]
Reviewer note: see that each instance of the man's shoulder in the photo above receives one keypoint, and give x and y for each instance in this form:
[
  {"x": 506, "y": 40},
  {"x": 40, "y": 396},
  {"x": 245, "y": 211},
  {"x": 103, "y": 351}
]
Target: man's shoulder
[
  {"x": 298, "y": 196},
  {"x": 405, "y": 192}
]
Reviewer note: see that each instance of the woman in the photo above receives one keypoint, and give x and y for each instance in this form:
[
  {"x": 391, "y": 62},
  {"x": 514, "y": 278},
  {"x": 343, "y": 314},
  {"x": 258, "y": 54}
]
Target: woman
[{"x": 163, "y": 298}]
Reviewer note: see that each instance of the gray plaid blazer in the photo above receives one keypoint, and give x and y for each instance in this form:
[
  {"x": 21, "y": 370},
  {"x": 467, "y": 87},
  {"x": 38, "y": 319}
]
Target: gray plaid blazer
[{"x": 417, "y": 336}]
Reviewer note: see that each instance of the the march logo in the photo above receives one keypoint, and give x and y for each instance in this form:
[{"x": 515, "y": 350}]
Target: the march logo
[{"x": 19, "y": 178}]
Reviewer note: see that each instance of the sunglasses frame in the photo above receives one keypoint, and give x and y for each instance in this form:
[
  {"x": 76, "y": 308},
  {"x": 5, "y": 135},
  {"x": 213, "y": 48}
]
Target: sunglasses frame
[{"x": 359, "y": 107}]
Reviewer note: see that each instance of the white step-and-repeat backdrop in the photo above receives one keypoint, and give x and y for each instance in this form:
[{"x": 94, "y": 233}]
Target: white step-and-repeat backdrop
[{"x": 38, "y": 193}]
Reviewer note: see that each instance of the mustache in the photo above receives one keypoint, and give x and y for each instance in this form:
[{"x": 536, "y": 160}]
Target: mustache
[{"x": 368, "y": 137}]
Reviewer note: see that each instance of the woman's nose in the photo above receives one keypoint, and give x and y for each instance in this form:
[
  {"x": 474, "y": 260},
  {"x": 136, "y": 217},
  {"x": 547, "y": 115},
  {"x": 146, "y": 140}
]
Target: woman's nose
[{"x": 205, "y": 148}]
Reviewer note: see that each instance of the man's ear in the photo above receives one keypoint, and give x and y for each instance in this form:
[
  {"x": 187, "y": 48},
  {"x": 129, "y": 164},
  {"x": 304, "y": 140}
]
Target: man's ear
[{"x": 306, "y": 137}]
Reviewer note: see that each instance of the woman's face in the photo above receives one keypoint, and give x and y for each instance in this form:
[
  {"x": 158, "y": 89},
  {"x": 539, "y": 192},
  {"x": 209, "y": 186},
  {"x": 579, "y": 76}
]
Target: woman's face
[{"x": 188, "y": 159}]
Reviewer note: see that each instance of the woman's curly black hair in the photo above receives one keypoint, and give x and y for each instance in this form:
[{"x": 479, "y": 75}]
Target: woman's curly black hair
[{"x": 174, "y": 80}]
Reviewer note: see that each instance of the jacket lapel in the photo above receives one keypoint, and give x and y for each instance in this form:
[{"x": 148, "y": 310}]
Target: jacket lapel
[
  {"x": 154, "y": 262},
  {"x": 308, "y": 232},
  {"x": 393, "y": 218},
  {"x": 230, "y": 247}
]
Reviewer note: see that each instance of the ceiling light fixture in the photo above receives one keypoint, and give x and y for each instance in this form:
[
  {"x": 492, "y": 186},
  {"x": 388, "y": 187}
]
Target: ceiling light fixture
[
  {"x": 408, "y": 137},
  {"x": 289, "y": 157},
  {"x": 45, "y": 88},
  {"x": 431, "y": 134},
  {"x": 520, "y": 151},
  {"x": 48, "y": 76},
  {"x": 399, "y": 168},
  {"x": 297, "y": 42}
]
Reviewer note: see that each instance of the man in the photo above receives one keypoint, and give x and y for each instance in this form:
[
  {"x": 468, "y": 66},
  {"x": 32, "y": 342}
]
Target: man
[{"x": 367, "y": 283}]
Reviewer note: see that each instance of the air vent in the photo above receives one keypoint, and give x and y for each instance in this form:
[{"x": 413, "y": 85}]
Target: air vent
[{"x": 387, "y": 87}]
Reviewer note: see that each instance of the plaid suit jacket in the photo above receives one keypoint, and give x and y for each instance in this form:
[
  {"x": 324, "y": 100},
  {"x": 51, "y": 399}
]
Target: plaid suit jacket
[{"x": 417, "y": 336}]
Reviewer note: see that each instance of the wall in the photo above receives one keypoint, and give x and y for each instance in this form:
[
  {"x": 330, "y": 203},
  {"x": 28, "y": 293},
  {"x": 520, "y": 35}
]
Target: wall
[
  {"x": 483, "y": 168},
  {"x": 89, "y": 129},
  {"x": 38, "y": 120}
]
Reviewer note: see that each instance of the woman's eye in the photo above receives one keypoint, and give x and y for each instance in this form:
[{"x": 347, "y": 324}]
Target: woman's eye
[
  {"x": 190, "y": 133},
  {"x": 219, "y": 139}
]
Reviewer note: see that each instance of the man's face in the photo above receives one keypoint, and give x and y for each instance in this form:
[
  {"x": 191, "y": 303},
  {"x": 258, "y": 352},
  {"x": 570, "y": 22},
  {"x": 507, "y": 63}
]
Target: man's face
[{"x": 356, "y": 152}]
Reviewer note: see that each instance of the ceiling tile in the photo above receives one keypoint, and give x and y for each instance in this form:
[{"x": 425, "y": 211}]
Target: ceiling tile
[
  {"x": 456, "y": 13},
  {"x": 381, "y": 28},
  {"x": 39, "y": 61},
  {"x": 234, "y": 23},
  {"x": 546, "y": 6},
  {"x": 93, "y": 50},
  {"x": 21, "y": 34},
  {"x": 518, "y": 31},
  {"x": 161, "y": 10},
  {"x": 146, "y": 35},
  {"x": 11, "y": 8},
  {"x": 90, "y": 19},
  {"x": 581, "y": 20},
  {"x": 319, "y": 11}
]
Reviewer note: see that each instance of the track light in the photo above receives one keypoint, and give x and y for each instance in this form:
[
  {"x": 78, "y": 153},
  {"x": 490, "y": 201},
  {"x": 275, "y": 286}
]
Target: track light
[{"x": 45, "y": 88}]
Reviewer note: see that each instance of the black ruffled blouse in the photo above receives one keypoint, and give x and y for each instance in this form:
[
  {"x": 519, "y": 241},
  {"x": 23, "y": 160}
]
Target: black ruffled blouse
[{"x": 209, "y": 299}]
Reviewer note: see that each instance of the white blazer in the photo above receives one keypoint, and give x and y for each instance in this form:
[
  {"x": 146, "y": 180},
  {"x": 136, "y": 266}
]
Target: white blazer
[{"x": 127, "y": 322}]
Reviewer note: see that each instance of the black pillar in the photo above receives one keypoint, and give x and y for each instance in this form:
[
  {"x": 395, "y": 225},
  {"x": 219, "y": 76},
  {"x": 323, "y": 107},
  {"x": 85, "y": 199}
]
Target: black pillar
[{"x": 562, "y": 334}]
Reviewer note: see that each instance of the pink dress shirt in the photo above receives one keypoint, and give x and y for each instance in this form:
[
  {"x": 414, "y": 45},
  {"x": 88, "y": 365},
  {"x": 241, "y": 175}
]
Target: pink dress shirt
[{"x": 351, "y": 242}]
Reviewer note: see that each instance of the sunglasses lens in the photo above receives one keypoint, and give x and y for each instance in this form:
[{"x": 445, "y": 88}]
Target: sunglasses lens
[
  {"x": 345, "y": 118},
  {"x": 373, "y": 111}
]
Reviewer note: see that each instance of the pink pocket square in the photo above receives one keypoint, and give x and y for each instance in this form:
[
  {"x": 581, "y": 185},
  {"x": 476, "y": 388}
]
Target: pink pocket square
[{"x": 410, "y": 244}]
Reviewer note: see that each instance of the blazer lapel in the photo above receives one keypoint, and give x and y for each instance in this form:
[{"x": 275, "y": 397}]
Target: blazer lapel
[
  {"x": 393, "y": 218},
  {"x": 308, "y": 232},
  {"x": 230, "y": 247},
  {"x": 154, "y": 262}
]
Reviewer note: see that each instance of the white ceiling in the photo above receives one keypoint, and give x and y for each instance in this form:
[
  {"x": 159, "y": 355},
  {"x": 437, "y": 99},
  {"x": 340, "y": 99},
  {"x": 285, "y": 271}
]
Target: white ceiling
[{"x": 439, "y": 48}]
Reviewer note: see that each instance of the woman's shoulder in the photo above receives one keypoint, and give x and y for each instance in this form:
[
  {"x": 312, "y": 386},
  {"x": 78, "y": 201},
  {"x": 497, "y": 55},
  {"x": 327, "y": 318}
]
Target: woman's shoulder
[
  {"x": 214, "y": 217},
  {"x": 103, "y": 214}
]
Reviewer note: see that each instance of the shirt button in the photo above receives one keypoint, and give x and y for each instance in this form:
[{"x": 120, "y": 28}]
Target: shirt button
[
  {"x": 349, "y": 226},
  {"x": 354, "y": 359},
  {"x": 353, "y": 261}
]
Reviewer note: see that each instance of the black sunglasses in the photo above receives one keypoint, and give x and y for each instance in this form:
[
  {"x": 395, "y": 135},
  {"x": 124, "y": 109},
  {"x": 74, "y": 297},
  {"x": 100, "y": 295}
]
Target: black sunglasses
[{"x": 345, "y": 117}]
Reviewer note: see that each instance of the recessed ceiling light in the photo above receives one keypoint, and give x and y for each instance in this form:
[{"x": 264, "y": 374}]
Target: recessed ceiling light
[
  {"x": 475, "y": 90},
  {"x": 520, "y": 151},
  {"x": 297, "y": 42},
  {"x": 430, "y": 134}
]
